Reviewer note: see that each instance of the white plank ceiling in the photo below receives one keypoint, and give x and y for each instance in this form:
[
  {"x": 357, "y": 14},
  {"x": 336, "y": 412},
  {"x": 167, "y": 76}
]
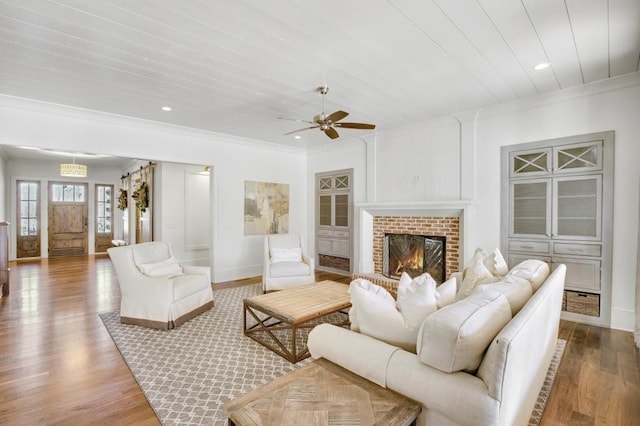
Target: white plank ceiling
[{"x": 235, "y": 66}]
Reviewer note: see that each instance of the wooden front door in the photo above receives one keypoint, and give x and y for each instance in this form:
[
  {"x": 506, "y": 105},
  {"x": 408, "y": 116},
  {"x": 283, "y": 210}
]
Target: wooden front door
[
  {"x": 28, "y": 211},
  {"x": 68, "y": 219}
]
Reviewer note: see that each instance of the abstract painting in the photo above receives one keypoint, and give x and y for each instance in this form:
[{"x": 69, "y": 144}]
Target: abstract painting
[{"x": 266, "y": 208}]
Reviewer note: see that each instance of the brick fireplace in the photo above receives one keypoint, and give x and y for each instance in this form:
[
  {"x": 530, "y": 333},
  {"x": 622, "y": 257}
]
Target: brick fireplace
[
  {"x": 448, "y": 219},
  {"x": 448, "y": 227}
]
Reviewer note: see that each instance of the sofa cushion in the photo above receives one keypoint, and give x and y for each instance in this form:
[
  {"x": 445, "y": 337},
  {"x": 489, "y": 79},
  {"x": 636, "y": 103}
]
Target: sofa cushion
[
  {"x": 289, "y": 269},
  {"x": 374, "y": 313},
  {"x": 455, "y": 337},
  {"x": 446, "y": 292},
  {"x": 150, "y": 252},
  {"x": 517, "y": 291},
  {"x": 416, "y": 298},
  {"x": 163, "y": 268},
  {"x": 279, "y": 255},
  {"x": 533, "y": 270}
]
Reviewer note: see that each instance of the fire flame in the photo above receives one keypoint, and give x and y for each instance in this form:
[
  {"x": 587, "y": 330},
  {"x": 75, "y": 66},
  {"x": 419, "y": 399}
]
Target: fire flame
[{"x": 413, "y": 260}]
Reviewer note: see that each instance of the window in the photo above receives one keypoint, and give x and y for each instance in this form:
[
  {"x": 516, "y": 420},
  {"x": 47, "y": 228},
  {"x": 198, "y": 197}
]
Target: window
[
  {"x": 28, "y": 208},
  {"x": 67, "y": 193},
  {"x": 104, "y": 207}
]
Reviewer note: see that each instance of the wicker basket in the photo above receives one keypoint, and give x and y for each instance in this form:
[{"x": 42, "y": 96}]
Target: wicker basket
[
  {"x": 583, "y": 303},
  {"x": 389, "y": 284}
]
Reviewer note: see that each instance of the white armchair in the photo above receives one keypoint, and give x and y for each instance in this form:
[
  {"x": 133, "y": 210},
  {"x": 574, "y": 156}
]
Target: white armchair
[
  {"x": 157, "y": 291},
  {"x": 285, "y": 263}
]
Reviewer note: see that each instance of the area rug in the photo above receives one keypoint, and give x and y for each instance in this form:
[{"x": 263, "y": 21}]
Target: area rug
[{"x": 187, "y": 374}]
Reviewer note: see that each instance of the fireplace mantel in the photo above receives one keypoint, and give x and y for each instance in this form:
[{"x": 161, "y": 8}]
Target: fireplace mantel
[{"x": 365, "y": 212}]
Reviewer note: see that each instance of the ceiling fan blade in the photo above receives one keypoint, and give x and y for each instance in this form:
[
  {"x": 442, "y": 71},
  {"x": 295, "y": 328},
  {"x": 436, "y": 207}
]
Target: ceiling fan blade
[
  {"x": 336, "y": 116},
  {"x": 299, "y": 130},
  {"x": 331, "y": 132},
  {"x": 295, "y": 119},
  {"x": 355, "y": 125}
]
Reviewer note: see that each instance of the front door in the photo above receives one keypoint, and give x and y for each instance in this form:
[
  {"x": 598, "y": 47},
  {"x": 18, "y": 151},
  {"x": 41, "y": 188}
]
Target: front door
[{"x": 68, "y": 219}]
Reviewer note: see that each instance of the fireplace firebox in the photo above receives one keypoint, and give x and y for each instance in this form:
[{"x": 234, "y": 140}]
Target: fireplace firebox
[{"x": 415, "y": 255}]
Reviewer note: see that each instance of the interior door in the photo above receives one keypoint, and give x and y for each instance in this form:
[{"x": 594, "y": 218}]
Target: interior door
[
  {"x": 68, "y": 219},
  {"x": 28, "y": 229}
]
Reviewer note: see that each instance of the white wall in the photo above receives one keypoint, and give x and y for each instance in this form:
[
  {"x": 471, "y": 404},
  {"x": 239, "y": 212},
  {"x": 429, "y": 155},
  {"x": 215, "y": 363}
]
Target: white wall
[
  {"x": 611, "y": 105},
  {"x": 450, "y": 160},
  {"x": 233, "y": 161}
]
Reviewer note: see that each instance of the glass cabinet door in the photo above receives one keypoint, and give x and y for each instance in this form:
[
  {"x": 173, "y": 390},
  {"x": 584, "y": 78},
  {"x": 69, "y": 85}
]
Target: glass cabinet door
[
  {"x": 531, "y": 208},
  {"x": 577, "y": 207},
  {"x": 582, "y": 157},
  {"x": 530, "y": 163}
]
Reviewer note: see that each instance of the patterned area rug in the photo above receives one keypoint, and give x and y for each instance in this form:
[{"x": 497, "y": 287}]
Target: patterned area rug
[{"x": 187, "y": 374}]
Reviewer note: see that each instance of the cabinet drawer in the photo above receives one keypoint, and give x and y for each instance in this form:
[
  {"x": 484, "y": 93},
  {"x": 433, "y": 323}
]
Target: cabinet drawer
[
  {"x": 583, "y": 303},
  {"x": 325, "y": 232},
  {"x": 514, "y": 259},
  {"x": 324, "y": 246},
  {"x": 594, "y": 250},
  {"x": 581, "y": 274},
  {"x": 541, "y": 247},
  {"x": 341, "y": 234}
]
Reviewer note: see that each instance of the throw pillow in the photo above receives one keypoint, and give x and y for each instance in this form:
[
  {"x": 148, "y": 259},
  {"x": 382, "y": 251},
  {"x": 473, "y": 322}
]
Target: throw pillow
[
  {"x": 455, "y": 337},
  {"x": 534, "y": 270},
  {"x": 375, "y": 314},
  {"x": 164, "y": 268},
  {"x": 285, "y": 254},
  {"x": 446, "y": 292},
  {"x": 416, "y": 298},
  {"x": 473, "y": 275},
  {"x": 496, "y": 264}
]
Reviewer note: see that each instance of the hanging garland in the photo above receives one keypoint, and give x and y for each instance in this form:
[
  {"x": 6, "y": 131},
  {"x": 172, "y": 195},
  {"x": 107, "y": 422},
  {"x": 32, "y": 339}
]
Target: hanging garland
[
  {"x": 123, "y": 200},
  {"x": 141, "y": 195}
]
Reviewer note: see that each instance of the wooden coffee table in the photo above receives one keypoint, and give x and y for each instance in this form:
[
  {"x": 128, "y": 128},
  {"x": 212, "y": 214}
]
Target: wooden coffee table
[
  {"x": 321, "y": 393},
  {"x": 280, "y": 316}
]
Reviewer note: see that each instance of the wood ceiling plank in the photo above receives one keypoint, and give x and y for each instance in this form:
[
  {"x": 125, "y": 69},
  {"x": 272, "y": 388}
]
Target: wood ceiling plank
[
  {"x": 590, "y": 24},
  {"x": 624, "y": 33},
  {"x": 551, "y": 23}
]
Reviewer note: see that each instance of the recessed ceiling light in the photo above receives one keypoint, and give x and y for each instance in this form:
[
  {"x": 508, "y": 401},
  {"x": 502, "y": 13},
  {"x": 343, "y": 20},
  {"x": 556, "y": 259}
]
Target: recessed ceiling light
[
  {"x": 541, "y": 66},
  {"x": 297, "y": 137},
  {"x": 166, "y": 108}
]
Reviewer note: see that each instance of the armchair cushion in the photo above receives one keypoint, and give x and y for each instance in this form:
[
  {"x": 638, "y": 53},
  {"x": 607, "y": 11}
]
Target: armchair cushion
[
  {"x": 289, "y": 269},
  {"x": 279, "y": 255},
  {"x": 163, "y": 268}
]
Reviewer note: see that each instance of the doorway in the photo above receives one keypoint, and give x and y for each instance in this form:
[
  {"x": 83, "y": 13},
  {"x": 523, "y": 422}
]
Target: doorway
[{"x": 68, "y": 219}]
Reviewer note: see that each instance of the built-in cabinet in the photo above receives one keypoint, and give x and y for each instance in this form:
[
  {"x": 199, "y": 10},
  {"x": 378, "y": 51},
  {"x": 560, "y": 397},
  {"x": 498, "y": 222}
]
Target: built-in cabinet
[
  {"x": 557, "y": 206},
  {"x": 334, "y": 220}
]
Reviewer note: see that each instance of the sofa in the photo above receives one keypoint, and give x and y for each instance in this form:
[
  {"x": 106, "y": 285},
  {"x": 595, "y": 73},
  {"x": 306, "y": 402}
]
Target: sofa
[
  {"x": 481, "y": 360},
  {"x": 157, "y": 290}
]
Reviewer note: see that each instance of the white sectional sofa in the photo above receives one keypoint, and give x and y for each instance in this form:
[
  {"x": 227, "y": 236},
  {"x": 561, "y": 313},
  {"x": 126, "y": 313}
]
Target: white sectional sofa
[{"x": 476, "y": 364}]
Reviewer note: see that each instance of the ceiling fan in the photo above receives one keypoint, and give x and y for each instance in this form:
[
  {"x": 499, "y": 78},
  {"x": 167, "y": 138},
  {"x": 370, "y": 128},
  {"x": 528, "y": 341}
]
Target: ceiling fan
[{"x": 328, "y": 123}]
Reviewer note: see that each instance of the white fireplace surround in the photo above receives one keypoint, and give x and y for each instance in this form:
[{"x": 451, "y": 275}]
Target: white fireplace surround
[{"x": 365, "y": 212}]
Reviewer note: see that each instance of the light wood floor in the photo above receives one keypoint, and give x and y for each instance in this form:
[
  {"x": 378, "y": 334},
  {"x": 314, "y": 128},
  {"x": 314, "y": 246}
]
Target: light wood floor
[{"x": 58, "y": 364}]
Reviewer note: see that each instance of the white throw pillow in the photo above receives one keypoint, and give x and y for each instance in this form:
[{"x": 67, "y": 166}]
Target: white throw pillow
[
  {"x": 534, "y": 270},
  {"x": 446, "y": 292},
  {"x": 285, "y": 254},
  {"x": 455, "y": 337},
  {"x": 376, "y": 315},
  {"x": 476, "y": 273},
  {"x": 496, "y": 264},
  {"x": 164, "y": 268},
  {"x": 416, "y": 298}
]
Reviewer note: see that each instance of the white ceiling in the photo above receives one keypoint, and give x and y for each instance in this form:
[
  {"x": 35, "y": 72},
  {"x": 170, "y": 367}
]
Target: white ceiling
[{"x": 234, "y": 66}]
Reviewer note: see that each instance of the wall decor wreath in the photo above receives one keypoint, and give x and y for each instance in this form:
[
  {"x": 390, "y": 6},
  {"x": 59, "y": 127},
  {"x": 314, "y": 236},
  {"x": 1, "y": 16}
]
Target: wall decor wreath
[
  {"x": 141, "y": 195},
  {"x": 123, "y": 200}
]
